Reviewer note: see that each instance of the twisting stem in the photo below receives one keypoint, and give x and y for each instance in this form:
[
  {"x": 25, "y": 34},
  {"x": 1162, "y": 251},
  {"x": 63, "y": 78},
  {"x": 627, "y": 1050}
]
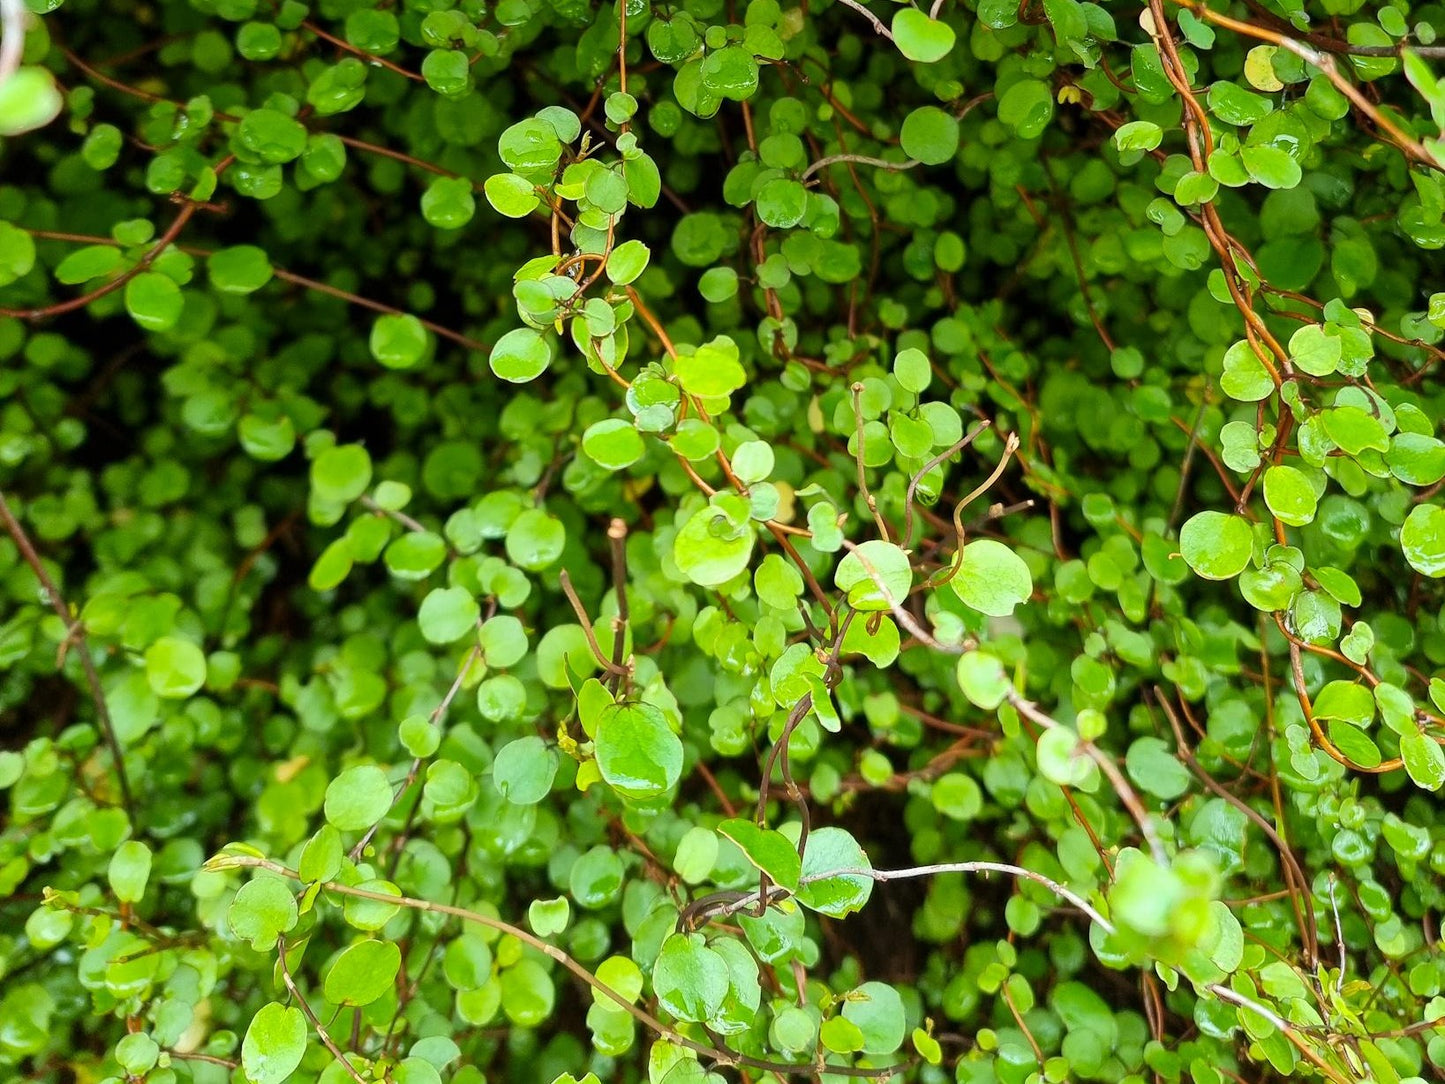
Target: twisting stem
[
  {"x": 724, "y": 1057},
  {"x": 371, "y": 58},
  {"x": 310, "y": 1013},
  {"x": 622, "y": 53},
  {"x": 1062, "y": 891},
  {"x": 177, "y": 225},
  {"x": 74, "y": 631},
  {"x": 411, "y": 774},
  {"x": 586, "y": 623},
  {"x": 617, "y": 539},
  {"x": 878, "y": 26},
  {"x": 1293, "y": 872},
  {"x": 1010, "y": 446},
  {"x": 1106, "y": 764},
  {"x": 947, "y": 453},
  {"x": 858, "y": 159}
]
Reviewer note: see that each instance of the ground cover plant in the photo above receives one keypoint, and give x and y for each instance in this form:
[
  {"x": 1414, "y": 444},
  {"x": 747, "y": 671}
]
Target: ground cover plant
[{"x": 713, "y": 540}]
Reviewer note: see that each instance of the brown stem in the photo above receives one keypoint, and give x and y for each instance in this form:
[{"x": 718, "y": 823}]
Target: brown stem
[
  {"x": 310, "y": 1013},
  {"x": 76, "y": 631}
]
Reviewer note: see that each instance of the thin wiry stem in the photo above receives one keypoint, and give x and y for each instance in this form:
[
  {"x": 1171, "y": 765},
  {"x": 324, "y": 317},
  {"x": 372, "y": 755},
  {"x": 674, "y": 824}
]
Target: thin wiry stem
[
  {"x": 75, "y": 631},
  {"x": 1106, "y": 764},
  {"x": 724, "y": 1057},
  {"x": 878, "y": 26},
  {"x": 859, "y": 159},
  {"x": 310, "y": 1013},
  {"x": 1062, "y": 891}
]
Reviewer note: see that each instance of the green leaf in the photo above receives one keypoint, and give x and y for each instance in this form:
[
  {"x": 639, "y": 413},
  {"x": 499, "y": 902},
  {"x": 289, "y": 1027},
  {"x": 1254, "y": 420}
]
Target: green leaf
[
  {"x": 130, "y": 869},
  {"x": 29, "y": 99},
  {"x": 17, "y": 249},
  {"x": 503, "y": 641},
  {"x": 1423, "y": 540},
  {"x": 448, "y": 203},
  {"x": 332, "y": 566},
  {"x": 929, "y": 135},
  {"x": 782, "y": 203},
  {"x": 1155, "y": 770},
  {"x": 689, "y": 979},
  {"x": 240, "y": 269},
  {"x": 82, "y": 265},
  {"x": 595, "y": 879},
  {"x": 876, "y": 1009},
  {"x": 527, "y": 993},
  {"x": 415, "y": 555},
  {"x": 920, "y": 38},
  {"x": 1346, "y": 701},
  {"x": 548, "y": 918},
  {"x": 983, "y": 679},
  {"x": 1416, "y": 459},
  {"x": 713, "y": 547},
  {"x": 175, "y": 668},
  {"x": 270, "y": 136},
  {"x": 628, "y": 260},
  {"x": 467, "y": 961},
  {"x": 1270, "y": 166},
  {"x": 1233, "y": 104},
  {"x": 524, "y": 770},
  {"x": 912, "y": 370},
  {"x": 637, "y": 753},
  {"x": 718, "y": 284},
  {"x": 992, "y": 578},
  {"x": 1424, "y": 760},
  {"x": 448, "y": 72},
  {"x": 613, "y": 444},
  {"x": 266, "y": 438},
  {"x": 876, "y": 575},
  {"x": 1245, "y": 378},
  {"x": 274, "y": 1044},
  {"x": 535, "y": 540},
  {"x": 321, "y": 857},
  {"x": 730, "y": 72},
  {"x": 447, "y": 614},
  {"x": 341, "y": 473},
  {"x": 262, "y": 910},
  {"x": 358, "y": 798},
  {"x": 530, "y": 148},
  {"x": 1026, "y": 108},
  {"x": 1355, "y": 430},
  {"x": 520, "y": 355},
  {"x": 766, "y": 849},
  {"x": 839, "y": 1035},
  {"x": 398, "y": 340},
  {"x": 606, "y": 190},
  {"x": 511, "y": 195},
  {"x": 1138, "y": 135},
  {"x": 154, "y": 301},
  {"x": 1062, "y": 760},
  {"x": 1289, "y": 494},
  {"x": 1143, "y": 898},
  {"x": 1316, "y": 616},
  {"x": 1314, "y": 352},
  {"x": 712, "y": 370},
  {"x": 362, "y": 973},
  {"x": 1354, "y": 744},
  {"x": 824, "y": 887},
  {"x": 1216, "y": 546}
]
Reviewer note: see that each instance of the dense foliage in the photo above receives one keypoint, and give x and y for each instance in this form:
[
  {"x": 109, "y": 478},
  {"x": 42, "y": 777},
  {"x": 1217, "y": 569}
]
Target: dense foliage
[{"x": 698, "y": 540}]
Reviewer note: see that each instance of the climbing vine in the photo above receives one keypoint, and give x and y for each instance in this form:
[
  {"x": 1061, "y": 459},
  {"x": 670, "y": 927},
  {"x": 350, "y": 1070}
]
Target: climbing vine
[{"x": 709, "y": 541}]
